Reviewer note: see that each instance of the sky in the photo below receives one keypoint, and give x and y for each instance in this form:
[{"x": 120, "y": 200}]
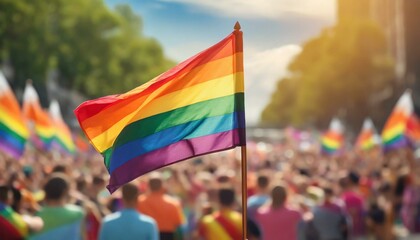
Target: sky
[{"x": 273, "y": 31}]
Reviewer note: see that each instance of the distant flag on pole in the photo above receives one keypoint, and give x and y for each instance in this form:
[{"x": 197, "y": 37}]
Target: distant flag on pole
[
  {"x": 394, "y": 134},
  {"x": 63, "y": 139},
  {"x": 38, "y": 118},
  {"x": 368, "y": 137},
  {"x": 13, "y": 130},
  {"x": 195, "y": 108},
  {"x": 333, "y": 140}
]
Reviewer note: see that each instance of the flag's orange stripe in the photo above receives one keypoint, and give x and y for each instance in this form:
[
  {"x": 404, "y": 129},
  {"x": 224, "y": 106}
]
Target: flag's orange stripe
[
  {"x": 221, "y": 50},
  {"x": 123, "y": 107}
]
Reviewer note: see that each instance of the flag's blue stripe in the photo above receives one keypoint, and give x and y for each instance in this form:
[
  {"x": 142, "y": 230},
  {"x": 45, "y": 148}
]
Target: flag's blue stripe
[{"x": 193, "y": 129}]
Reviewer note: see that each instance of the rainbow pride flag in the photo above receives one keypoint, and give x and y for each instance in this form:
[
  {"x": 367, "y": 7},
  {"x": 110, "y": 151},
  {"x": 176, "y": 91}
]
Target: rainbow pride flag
[
  {"x": 394, "y": 134},
  {"x": 367, "y": 138},
  {"x": 12, "y": 225},
  {"x": 39, "y": 119},
  {"x": 332, "y": 141},
  {"x": 13, "y": 130},
  {"x": 195, "y": 108},
  {"x": 63, "y": 139}
]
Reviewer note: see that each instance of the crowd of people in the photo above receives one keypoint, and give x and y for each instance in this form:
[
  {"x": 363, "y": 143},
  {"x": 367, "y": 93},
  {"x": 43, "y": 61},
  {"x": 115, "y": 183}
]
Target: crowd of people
[{"x": 292, "y": 194}]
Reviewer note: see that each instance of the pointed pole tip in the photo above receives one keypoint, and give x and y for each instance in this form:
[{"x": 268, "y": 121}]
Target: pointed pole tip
[
  {"x": 237, "y": 26},
  {"x": 29, "y": 81}
]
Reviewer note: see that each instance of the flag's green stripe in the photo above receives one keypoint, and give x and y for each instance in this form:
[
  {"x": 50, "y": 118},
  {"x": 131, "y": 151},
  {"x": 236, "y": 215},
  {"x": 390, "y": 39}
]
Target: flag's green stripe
[
  {"x": 67, "y": 148},
  {"x": 394, "y": 139},
  {"x": 6, "y": 130},
  {"x": 162, "y": 121}
]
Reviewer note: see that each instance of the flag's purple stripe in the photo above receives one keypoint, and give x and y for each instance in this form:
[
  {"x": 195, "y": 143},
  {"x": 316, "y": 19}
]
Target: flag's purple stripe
[
  {"x": 7, "y": 148},
  {"x": 173, "y": 153},
  {"x": 400, "y": 142}
]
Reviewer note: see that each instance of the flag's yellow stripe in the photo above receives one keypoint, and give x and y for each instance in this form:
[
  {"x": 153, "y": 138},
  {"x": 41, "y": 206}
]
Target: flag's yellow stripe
[{"x": 219, "y": 87}]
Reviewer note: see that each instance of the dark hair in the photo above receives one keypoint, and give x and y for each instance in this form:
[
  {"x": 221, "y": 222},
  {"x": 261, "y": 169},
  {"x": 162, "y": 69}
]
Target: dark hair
[
  {"x": 278, "y": 195},
  {"x": 155, "y": 184},
  {"x": 57, "y": 187},
  {"x": 4, "y": 193},
  {"x": 98, "y": 180},
  {"x": 60, "y": 168},
  {"x": 226, "y": 197},
  {"x": 130, "y": 192},
  {"x": 354, "y": 178},
  {"x": 262, "y": 181}
]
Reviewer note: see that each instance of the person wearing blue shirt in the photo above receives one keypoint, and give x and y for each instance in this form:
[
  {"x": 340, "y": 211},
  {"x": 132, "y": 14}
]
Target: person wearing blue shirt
[{"x": 128, "y": 223}]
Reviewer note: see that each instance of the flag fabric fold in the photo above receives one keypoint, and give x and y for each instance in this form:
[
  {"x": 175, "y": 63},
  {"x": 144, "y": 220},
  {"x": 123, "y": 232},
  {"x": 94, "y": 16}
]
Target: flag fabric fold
[
  {"x": 394, "y": 134},
  {"x": 195, "y": 108},
  {"x": 13, "y": 130},
  {"x": 39, "y": 120},
  {"x": 332, "y": 141},
  {"x": 63, "y": 139}
]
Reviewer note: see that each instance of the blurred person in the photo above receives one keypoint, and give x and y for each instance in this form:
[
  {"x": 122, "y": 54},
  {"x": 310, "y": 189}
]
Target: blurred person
[
  {"x": 164, "y": 209},
  {"x": 354, "y": 204},
  {"x": 61, "y": 220},
  {"x": 260, "y": 197},
  {"x": 276, "y": 220},
  {"x": 329, "y": 219},
  {"x": 128, "y": 224},
  {"x": 93, "y": 190},
  {"x": 410, "y": 211},
  {"x": 93, "y": 216},
  {"x": 14, "y": 226},
  {"x": 225, "y": 223}
]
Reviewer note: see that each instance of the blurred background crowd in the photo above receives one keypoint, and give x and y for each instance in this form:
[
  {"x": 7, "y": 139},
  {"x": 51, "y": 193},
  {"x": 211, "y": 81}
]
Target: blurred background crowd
[{"x": 293, "y": 193}]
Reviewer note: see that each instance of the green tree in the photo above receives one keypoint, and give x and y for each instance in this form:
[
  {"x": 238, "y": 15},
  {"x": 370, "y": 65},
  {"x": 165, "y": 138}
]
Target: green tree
[
  {"x": 96, "y": 50},
  {"x": 338, "y": 73}
]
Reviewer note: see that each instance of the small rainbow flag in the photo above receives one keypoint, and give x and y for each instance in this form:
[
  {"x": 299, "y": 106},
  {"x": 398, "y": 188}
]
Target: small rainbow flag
[
  {"x": 12, "y": 225},
  {"x": 39, "y": 119},
  {"x": 193, "y": 109},
  {"x": 13, "y": 130},
  {"x": 332, "y": 141},
  {"x": 63, "y": 139},
  {"x": 367, "y": 138},
  {"x": 394, "y": 134}
]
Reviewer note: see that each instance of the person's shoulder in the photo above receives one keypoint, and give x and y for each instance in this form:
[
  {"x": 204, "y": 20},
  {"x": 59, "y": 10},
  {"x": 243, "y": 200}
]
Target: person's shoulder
[
  {"x": 207, "y": 219},
  {"x": 147, "y": 219},
  {"x": 111, "y": 217},
  {"x": 75, "y": 210}
]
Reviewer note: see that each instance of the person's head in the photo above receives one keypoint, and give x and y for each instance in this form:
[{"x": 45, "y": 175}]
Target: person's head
[
  {"x": 60, "y": 168},
  {"x": 57, "y": 188},
  {"x": 262, "y": 182},
  {"x": 328, "y": 193},
  {"x": 354, "y": 178},
  {"x": 5, "y": 195},
  {"x": 155, "y": 182},
  {"x": 98, "y": 184},
  {"x": 226, "y": 197},
  {"x": 130, "y": 192},
  {"x": 278, "y": 196}
]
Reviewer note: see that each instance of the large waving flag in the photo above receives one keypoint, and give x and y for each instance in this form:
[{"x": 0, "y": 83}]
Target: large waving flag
[
  {"x": 195, "y": 108},
  {"x": 333, "y": 141},
  {"x": 367, "y": 138},
  {"x": 13, "y": 130},
  {"x": 63, "y": 139},
  {"x": 38, "y": 118},
  {"x": 394, "y": 134}
]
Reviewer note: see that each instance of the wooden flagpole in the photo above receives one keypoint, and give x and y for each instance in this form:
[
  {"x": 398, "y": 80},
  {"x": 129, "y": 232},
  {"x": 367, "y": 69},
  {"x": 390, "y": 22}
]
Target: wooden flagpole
[{"x": 244, "y": 165}]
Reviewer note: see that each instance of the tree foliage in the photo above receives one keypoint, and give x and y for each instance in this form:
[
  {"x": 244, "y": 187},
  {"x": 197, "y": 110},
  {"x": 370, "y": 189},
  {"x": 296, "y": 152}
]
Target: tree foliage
[
  {"x": 95, "y": 50},
  {"x": 343, "y": 72}
]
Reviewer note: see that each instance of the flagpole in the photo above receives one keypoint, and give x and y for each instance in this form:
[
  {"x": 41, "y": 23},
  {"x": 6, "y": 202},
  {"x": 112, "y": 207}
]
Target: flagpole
[
  {"x": 239, "y": 65},
  {"x": 244, "y": 191}
]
